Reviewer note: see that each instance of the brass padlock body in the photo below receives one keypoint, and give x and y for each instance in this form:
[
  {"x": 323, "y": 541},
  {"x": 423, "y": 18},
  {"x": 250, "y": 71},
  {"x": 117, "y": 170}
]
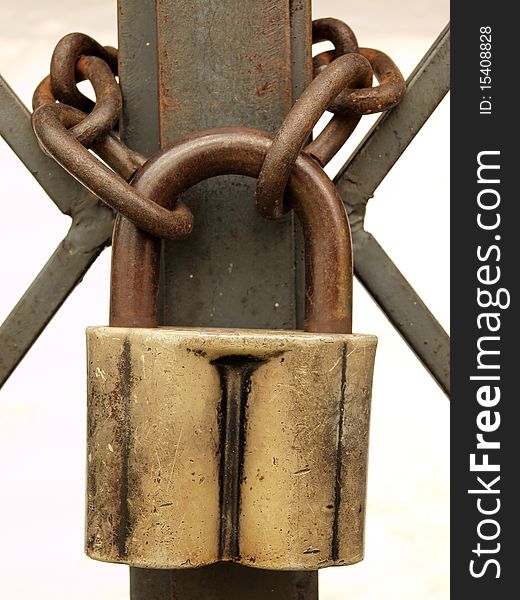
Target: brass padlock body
[
  {"x": 227, "y": 444},
  {"x": 209, "y": 445}
]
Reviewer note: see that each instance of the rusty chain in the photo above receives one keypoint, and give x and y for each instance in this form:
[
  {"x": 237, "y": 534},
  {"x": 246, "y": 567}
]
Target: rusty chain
[
  {"x": 342, "y": 85},
  {"x": 66, "y": 133},
  {"x": 72, "y": 129}
]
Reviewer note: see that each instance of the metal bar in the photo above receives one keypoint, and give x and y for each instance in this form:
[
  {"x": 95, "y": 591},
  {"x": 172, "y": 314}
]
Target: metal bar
[
  {"x": 137, "y": 58},
  {"x": 403, "y": 307},
  {"x": 357, "y": 182},
  {"x": 137, "y": 43},
  {"x": 301, "y": 52},
  {"x": 392, "y": 133},
  {"x": 236, "y": 583},
  {"x": 15, "y": 127},
  {"x": 221, "y": 63},
  {"x": 51, "y": 287},
  {"x": 301, "y": 49},
  {"x": 89, "y": 233},
  {"x": 225, "y": 63},
  {"x": 150, "y": 584}
]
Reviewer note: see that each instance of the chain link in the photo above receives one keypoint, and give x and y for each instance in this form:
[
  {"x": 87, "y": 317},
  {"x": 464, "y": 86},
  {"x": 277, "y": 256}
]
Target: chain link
[
  {"x": 346, "y": 71},
  {"x": 66, "y": 133},
  {"x": 67, "y": 124},
  {"x": 355, "y": 98}
]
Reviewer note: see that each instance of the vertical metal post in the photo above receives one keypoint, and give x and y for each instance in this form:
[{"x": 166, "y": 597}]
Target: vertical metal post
[
  {"x": 184, "y": 66},
  {"x": 222, "y": 63}
]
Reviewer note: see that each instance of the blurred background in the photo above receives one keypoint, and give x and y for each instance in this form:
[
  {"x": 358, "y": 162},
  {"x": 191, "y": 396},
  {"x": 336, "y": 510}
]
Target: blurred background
[{"x": 42, "y": 407}]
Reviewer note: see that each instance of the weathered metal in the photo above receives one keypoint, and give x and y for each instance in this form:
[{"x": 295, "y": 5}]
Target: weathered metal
[
  {"x": 192, "y": 451},
  {"x": 392, "y": 133},
  {"x": 433, "y": 64},
  {"x": 222, "y": 581},
  {"x": 337, "y": 32},
  {"x": 348, "y": 70},
  {"x": 342, "y": 85},
  {"x": 65, "y": 132},
  {"x": 210, "y": 54},
  {"x": 214, "y": 87},
  {"x": 138, "y": 43},
  {"x": 64, "y": 67},
  {"x": 357, "y": 182},
  {"x": 138, "y": 74},
  {"x": 386, "y": 95},
  {"x": 90, "y": 232},
  {"x": 62, "y": 130},
  {"x": 93, "y": 127},
  {"x": 239, "y": 151},
  {"x": 51, "y": 122},
  {"x": 63, "y": 140},
  {"x": 239, "y": 509},
  {"x": 88, "y": 235}
]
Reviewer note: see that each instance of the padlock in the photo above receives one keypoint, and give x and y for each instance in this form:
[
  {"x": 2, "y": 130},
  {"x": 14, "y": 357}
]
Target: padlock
[{"x": 241, "y": 445}]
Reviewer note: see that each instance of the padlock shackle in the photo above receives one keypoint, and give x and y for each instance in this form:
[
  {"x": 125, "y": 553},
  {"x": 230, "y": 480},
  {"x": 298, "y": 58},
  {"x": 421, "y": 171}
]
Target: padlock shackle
[{"x": 317, "y": 204}]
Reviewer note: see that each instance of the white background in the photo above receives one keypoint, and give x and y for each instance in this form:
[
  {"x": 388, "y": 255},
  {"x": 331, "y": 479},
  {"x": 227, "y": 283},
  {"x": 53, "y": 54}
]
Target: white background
[{"x": 42, "y": 407}]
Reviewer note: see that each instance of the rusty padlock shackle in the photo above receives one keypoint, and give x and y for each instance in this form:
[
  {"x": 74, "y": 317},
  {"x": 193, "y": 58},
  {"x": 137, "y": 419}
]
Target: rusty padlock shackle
[{"x": 240, "y": 151}]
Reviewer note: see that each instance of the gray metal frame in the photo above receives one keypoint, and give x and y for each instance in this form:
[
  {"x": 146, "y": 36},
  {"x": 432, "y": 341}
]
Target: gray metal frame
[
  {"x": 357, "y": 182},
  {"x": 89, "y": 233}
]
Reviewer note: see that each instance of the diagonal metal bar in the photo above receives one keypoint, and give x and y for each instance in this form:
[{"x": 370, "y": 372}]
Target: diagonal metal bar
[
  {"x": 51, "y": 287},
  {"x": 89, "y": 233},
  {"x": 357, "y": 182},
  {"x": 15, "y": 127},
  {"x": 393, "y": 131},
  {"x": 403, "y": 307}
]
